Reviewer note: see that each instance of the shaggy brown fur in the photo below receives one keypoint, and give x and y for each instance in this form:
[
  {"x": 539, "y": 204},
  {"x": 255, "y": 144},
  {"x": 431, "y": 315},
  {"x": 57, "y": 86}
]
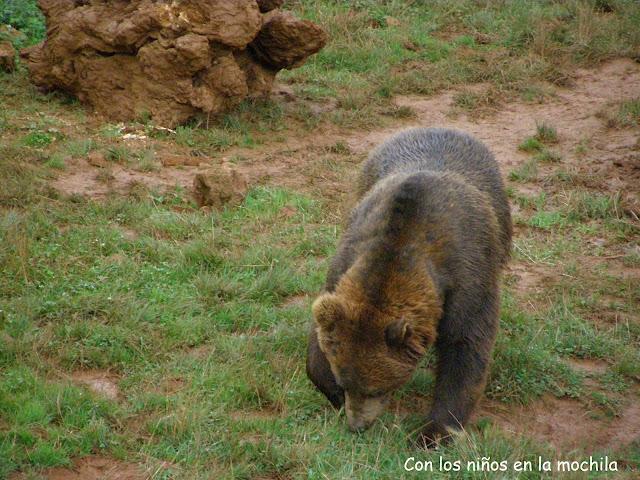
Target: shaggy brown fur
[{"x": 418, "y": 265}]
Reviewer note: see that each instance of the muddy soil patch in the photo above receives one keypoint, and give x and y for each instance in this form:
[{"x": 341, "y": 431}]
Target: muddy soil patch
[
  {"x": 529, "y": 278},
  {"x": 93, "y": 468},
  {"x": 567, "y": 424},
  {"x": 91, "y": 181},
  {"x": 563, "y": 423},
  {"x": 101, "y": 383},
  {"x": 611, "y": 161},
  {"x": 305, "y": 162}
]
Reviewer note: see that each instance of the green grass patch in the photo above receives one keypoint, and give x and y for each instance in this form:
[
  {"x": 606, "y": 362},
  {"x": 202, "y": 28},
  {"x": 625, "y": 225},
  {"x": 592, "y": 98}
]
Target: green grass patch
[
  {"x": 56, "y": 161},
  {"x": 526, "y": 172},
  {"x": 582, "y": 205},
  {"x": 546, "y": 133},
  {"x": 85, "y": 296},
  {"x": 530, "y": 144},
  {"x": 201, "y": 317},
  {"x": 624, "y": 114},
  {"x": 38, "y": 139},
  {"x": 48, "y": 423},
  {"x": 118, "y": 154},
  {"x": 629, "y": 113},
  {"x": 546, "y": 220},
  {"x": 548, "y": 156},
  {"x": 79, "y": 148}
]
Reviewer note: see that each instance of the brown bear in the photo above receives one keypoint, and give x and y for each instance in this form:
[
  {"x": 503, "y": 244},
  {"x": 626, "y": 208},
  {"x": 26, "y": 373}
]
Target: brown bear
[{"x": 418, "y": 264}]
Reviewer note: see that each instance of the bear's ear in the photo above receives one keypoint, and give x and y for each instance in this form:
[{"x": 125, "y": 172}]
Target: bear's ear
[
  {"x": 400, "y": 334},
  {"x": 327, "y": 309}
]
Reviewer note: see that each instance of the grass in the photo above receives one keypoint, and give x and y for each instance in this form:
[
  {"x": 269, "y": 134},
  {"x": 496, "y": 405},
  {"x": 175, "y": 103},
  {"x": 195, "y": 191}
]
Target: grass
[
  {"x": 546, "y": 133},
  {"x": 80, "y": 148},
  {"x": 202, "y": 299},
  {"x": 526, "y": 172},
  {"x": 521, "y": 44},
  {"x": 624, "y": 114},
  {"x": 200, "y": 318},
  {"x": 242, "y": 128},
  {"x": 118, "y": 154},
  {"x": 531, "y": 144},
  {"x": 477, "y": 103},
  {"x": 37, "y": 139},
  {"x": 548, "y": 156},
  {"x": 86, "y": 297}
]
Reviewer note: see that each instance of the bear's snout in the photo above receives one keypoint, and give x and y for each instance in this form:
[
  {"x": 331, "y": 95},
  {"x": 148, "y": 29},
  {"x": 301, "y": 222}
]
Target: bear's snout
[
  {"x": 357, "y": 425},
  {"x": 362, "y": 411}
]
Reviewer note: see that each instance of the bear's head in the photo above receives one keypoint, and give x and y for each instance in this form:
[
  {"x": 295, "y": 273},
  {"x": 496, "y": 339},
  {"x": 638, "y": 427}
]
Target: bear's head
[{"x": 373, "y": 345}]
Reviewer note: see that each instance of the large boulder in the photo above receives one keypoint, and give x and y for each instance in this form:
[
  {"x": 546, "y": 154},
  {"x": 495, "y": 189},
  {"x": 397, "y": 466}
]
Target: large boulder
[{"x": 169, "y": 60}]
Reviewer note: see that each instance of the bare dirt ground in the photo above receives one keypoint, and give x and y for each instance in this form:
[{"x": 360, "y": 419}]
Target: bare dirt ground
[
  {"x": 573, "y": 111},
  {"x": 101, "y": 383},
  {"x": 308, "y": 163},
  {"x": 94, "y": 468},
  {"x": 300, "y": 161},
  {"x": 567, "y": 424}
]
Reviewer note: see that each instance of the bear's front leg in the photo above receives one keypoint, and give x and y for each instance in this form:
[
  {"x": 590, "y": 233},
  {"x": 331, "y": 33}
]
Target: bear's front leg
[
  {"x": 461, "y": 376},
  {"x": 319, "y": 372}
]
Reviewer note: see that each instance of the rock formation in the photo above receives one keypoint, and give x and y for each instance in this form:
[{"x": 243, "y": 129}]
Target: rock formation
[
  {"x": 167, "y": 59},
  {"x": 219, "y": 187}
]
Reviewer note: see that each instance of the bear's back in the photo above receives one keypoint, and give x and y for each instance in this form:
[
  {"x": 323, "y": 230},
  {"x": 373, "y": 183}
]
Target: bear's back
[{"x": 441, "y": 150}]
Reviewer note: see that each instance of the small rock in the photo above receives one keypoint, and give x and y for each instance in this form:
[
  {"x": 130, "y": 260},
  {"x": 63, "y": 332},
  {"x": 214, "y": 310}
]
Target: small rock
[
  {"x": 219, "y": 187},
  {"x": 7, "y": 57}
]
